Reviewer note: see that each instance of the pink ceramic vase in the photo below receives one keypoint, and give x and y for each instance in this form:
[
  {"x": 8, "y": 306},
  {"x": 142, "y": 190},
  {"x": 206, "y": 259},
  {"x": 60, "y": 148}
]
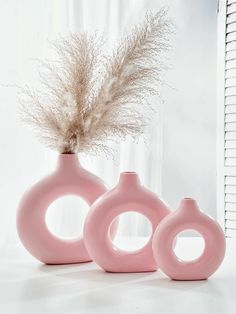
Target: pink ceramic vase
[
  {"x": 128, "y": 195},
  {"x": 188, "y": 216},
  {"x": 68, "y": 178}
]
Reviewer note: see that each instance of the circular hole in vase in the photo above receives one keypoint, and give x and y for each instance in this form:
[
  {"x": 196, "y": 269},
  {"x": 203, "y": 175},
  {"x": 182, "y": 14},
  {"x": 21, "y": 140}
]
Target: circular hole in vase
[
  {"x": 133, "y": 233},
  {"x": 65, "y": 217},
  {"x": 189, "y": 245}
]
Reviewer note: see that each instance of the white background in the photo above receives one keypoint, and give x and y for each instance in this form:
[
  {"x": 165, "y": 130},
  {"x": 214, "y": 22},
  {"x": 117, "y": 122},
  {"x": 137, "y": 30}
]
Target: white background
[
  {"x": 180, "y": 157},
  {"x": 189, "y": 113}
]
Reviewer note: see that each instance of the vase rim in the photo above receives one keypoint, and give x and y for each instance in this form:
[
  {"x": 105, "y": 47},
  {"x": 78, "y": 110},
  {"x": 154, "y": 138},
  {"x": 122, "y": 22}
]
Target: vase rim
[{"x": 67, "y": 154}]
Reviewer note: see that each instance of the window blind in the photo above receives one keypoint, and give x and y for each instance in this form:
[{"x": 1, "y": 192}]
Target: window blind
[{"x": 227, "y": 40}]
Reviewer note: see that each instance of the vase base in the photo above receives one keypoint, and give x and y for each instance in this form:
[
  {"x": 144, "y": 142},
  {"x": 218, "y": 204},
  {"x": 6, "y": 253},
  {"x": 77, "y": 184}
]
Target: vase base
[
  {"x": 65, "y": 263},
  {"x": 130, "y": 271},
  {"x": 189, "y": 279}
]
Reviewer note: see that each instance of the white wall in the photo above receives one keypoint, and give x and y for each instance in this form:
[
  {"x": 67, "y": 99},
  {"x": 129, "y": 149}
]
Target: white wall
[{"x": 189, "y": 112}]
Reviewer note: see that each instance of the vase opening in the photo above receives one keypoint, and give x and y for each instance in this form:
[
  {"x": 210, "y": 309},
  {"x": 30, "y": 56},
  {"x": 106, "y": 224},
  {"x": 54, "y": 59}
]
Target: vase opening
[
  {"x": 129, "y": 179},
  {"x": 68, "y": 153},
  {"x": 188, "y": 204}
]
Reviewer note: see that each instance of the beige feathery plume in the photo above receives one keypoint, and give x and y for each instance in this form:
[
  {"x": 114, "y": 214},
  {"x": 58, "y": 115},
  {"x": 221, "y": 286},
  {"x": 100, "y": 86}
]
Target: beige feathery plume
[{"x": 87, "y": 99}]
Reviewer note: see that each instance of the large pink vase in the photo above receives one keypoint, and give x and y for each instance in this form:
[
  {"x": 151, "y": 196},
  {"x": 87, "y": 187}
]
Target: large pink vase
[
  {"x": 128, "y": 195},
  {"x": 68, "y": 178},
  {"x": 188, "y": 216}
]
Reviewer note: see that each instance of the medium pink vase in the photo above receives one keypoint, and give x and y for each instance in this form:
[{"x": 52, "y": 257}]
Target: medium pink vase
[
  {"x": 68, "y": 178},
  {"x": 128, "y": 195},
  {"x": 188, "y": 216}
]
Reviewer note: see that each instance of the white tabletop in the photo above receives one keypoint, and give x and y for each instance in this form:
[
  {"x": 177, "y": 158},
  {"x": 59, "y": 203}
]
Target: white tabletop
[{"x": 27, "y": 286}]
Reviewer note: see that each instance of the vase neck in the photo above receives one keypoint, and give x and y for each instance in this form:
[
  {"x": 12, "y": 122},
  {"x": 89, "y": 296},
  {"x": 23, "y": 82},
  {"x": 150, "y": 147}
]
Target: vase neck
[
  {"x": 189, "y": 205},
  {"x": 129, "y": 180},
  {"x": 67, "y": 162}
]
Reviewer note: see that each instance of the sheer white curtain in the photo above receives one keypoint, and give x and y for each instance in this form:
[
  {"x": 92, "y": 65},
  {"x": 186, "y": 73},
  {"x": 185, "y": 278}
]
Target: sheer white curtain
[{"x": 25, "y": 28}]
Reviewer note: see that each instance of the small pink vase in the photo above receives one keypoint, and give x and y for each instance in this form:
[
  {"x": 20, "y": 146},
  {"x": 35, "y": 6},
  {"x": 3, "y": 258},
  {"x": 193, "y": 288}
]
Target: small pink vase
[
  {"x": 128, "y": 195},
  {"x": 68, "y": 178},
  {"x": 188, "y": 216}
]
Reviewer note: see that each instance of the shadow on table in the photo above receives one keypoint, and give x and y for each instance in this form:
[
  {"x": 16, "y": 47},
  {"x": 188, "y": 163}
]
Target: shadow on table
[
  {"x": 90, "y": 287},
  {"x": 76, "y": 272},
  {"x": 63, "y": 280}
]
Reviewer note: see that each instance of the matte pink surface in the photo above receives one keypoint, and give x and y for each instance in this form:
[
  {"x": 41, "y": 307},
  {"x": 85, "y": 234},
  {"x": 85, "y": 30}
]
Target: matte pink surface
[
  {"x": 188, "y": 216},
  {"x": 68, "y": 178},
  {"x": 128, "y": 195}
]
